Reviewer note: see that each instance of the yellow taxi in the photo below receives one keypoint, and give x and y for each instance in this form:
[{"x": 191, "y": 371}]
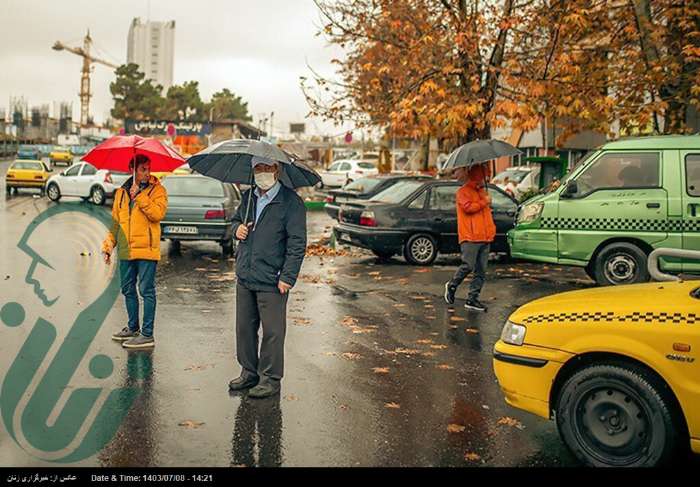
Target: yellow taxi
[
  {"x": 24, "y": 173},
  {"x": 617, "y": 368},
  {"x": 60, "y": 154}
]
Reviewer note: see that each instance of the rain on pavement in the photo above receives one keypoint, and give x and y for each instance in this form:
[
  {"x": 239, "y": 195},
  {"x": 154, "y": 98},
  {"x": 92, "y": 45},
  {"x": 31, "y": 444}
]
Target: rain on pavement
[{"x": 378, "y": 372}]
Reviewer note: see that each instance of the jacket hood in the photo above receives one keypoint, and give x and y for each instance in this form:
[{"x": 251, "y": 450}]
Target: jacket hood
[{"x": 477, "y": 175}]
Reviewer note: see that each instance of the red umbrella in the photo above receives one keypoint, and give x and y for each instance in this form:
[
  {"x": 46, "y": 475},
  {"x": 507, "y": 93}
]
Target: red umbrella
[{"x": 115, "y": 153}]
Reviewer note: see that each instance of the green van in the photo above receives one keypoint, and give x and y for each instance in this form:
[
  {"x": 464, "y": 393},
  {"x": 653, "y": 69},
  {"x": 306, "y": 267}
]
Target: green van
[{"x": 622, "y": 201}]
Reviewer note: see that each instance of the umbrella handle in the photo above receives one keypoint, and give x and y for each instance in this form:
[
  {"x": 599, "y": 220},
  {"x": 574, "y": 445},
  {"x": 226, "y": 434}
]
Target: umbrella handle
[{"x": 250, "y": 199}]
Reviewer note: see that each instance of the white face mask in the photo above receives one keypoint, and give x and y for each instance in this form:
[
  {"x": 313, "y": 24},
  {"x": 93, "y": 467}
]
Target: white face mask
[{"x": 265, "y": 180}]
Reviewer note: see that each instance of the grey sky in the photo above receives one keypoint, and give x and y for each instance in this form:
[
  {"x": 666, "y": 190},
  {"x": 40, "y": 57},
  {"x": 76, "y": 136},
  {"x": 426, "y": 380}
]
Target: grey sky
[{"x": 258, "y": 49}]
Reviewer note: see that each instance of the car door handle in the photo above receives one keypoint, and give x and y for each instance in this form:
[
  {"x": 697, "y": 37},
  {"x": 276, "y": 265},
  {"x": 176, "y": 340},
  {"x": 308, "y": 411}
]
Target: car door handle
[
  {"x": 653, "y": 205},
  {"x": 438, "y": 220},
  {"x": 693, "y": 209}
]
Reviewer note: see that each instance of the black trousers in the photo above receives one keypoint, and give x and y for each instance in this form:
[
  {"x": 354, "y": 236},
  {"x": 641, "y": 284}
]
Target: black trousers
[
  {"x": 475, "y": 257},
  {"x": 254, "y": 308}
]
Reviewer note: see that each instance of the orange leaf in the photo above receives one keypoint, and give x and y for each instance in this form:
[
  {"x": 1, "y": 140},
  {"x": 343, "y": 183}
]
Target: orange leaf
[{"x": 456, "y": 428}]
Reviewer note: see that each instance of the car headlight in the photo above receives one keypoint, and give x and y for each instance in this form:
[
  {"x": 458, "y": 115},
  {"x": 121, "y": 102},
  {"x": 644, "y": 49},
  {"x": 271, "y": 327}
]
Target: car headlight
[
  {"x": 530, "y": 213},
  {"x": 513, "y": 334}
]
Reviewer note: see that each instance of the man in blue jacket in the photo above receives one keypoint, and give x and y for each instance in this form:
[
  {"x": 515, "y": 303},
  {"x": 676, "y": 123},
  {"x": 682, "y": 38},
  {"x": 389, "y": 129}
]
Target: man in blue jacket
[{"x": 270, "y": 252}]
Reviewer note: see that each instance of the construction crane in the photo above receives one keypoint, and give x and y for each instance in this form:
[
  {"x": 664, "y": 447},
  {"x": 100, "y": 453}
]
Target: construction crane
[{"x": 88, "y": 60}]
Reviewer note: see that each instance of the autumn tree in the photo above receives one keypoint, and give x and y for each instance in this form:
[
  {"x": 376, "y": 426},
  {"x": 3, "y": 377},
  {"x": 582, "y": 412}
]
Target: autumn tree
[{"x": 454, "y": 69}]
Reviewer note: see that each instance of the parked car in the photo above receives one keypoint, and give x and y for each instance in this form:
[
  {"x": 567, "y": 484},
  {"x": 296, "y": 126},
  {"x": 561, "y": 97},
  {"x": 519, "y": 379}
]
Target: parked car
[
  {"x": 29, "y": 152},
  {"x": 517, "y": 181},
  {"x": 346, "y": 171},
  {"x": 82, "y": 180},
  {"x": 61, "y": 155},
  {"x": 616, "y": 368},
  {"x": 26, "y": 173},
  {"x": 626, "y": 199},
  {"x": 200, "y": 208},
  {"x": 184, "y": 169},
  {"x": 417, "y": 218},
  {"x": 363, "y": 189}
]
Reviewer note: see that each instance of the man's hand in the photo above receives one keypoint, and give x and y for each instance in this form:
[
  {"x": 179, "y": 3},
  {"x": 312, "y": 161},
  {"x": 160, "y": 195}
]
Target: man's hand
[
  {"x": 107, "y": 257},
  {"x": 283, "y": 287},
  {"x": 134, "y": 189},
  {"x": 242, "y": 231}
]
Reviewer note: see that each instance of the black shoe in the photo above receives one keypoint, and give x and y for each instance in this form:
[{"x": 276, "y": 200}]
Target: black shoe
[
  {"x": 240, "y": 383},
  {"x": 476, "y": 305},
  {"x": 264, "y": 389},
  {"x": 450, "y": 293}
]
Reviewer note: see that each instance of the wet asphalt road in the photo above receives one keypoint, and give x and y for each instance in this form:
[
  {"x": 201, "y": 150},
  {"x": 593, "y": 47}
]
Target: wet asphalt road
[{"x": 377, "y": 366}]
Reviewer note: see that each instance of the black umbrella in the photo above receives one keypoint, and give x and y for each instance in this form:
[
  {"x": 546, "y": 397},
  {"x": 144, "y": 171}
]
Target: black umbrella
[
  {"x": 478, "y": 152},
  {"x": 230, "y": 161}
]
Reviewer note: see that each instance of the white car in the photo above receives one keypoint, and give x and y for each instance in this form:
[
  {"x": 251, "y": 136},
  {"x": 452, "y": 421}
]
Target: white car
[
  {"x": 346, "y": 171},
  {"x": 517, "y": 180},
  {"x": 82, "y": 180}
]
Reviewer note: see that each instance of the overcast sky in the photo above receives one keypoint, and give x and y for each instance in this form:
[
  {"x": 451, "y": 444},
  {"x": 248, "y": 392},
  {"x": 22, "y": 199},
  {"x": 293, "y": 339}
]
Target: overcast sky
[{"x": 258, "y": 49}]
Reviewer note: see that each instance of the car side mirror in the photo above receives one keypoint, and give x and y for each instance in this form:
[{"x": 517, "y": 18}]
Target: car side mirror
[{"x": 571, "y": 190}]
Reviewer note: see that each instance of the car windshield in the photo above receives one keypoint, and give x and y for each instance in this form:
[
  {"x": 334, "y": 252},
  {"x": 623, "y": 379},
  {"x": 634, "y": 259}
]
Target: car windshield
[
  {"x": 398, "y": 192},
  {"x": 32, "y": 166},
  {"x": 366, "y": 165},
  {"x": 363, "y": 185},
  {"x": 199, "y": 186},
  {"x": 515, "y": 175},
  {"x": 25, "y": 147}
]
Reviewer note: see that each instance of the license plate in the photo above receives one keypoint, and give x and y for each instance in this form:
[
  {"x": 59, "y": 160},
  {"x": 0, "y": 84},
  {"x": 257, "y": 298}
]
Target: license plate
[{"x": 191, "y": 230}]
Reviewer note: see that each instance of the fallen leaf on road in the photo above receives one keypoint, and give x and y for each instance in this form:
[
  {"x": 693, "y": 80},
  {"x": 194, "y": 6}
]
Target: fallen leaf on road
[
  {"x": 429, "y": 306},
  {"x": 330, "y": 354},
  {"x": 189, "y": 424},
  {"x": 424, "y": 341},
  {"x": 428, "y": 354},
  {"x": 351, "y": 356},
  {"x": 392, "y": 405},
  {"x": 343, "y": 407},
  {"x": 375, "y": 273},
  {"x": 438, "y": 347},
  {"x": 201, "y": 269},
  {"x": 419, "y": 298},
  {"x": 291, "y": 397},
  {"x": 407, "y": 351},
  {"x": 445, "y": 367},
  {"x": 183, "y": 289},
  {"x": 457, "y": 318},
  {"x": 349, "y": 321},
  {"x": 403, "y": 281},
  {"x": 302, "y": 321},
  {"x": 420, "y": 271},
  {"x": 473, "y": 331},
  {"x": 472, "y": 457},
  {"x": 197, "y": 367},
  {"x": 455, "y": 428},
  {"x": 430, "y": 317},
  {"x": 380, "y": 370},
  {"x": 399, "y": 305},
  {"x": 508, "y": 421}
]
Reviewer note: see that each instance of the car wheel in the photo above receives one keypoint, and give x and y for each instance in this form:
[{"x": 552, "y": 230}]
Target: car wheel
[
  {"x": 621, "y": 263},
  {"x": 97, "y": 196},
  {"x": 616, "y": 415},
  {"x": 420, "y": 249},
  {"x": 53, "y": 192}
]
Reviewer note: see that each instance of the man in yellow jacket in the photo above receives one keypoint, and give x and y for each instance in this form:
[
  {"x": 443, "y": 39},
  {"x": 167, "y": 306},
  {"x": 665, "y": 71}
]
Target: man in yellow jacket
[{"x": 139, "y": 206}]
